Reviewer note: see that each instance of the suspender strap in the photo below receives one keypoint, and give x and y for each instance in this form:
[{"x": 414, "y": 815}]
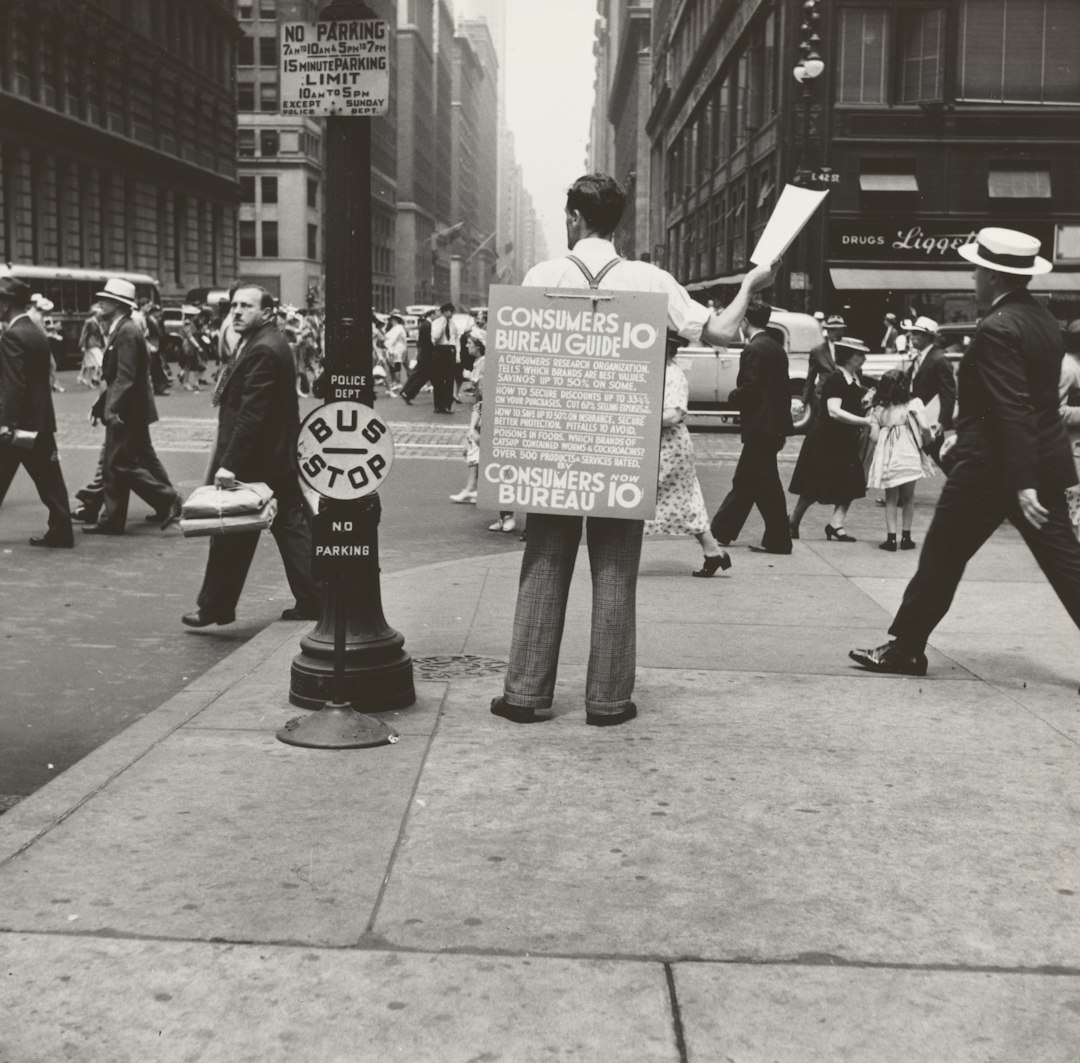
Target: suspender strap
[{"x": 594, "y": 282}]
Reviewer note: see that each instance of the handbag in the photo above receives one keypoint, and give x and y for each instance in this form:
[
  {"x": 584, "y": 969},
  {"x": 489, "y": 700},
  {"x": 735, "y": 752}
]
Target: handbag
[
  {"x": 24, "y": 438},
  {"x": 211, "y": 510}
]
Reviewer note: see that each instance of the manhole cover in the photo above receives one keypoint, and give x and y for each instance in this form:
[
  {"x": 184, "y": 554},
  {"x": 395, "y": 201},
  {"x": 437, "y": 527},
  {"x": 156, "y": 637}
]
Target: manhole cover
[{"x": 456, "y": 666}]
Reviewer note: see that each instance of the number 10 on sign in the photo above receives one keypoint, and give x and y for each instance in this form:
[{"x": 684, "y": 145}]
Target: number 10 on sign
[{"x": 344, "y": 450}]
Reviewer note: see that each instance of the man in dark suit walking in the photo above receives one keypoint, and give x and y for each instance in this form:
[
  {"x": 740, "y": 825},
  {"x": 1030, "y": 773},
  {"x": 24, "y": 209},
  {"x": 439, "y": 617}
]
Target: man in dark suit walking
[
  {"x": 1011, "y": 459},
  {"x": 258, "y": 422},
  {"x": 421, "y": 373},
  {"x": 762, "y": 394},
  {"x": 129, "y": 461},
  {"x": 930, "y": 375},
  {"x": 26, "y": 407}
]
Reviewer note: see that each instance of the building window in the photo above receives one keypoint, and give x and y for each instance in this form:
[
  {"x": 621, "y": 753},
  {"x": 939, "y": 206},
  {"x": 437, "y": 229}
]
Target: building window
[
  {"x": 267, "y": 8},
  {"x": 245, "y": 96},
  {"x": 269, "y": 189},
  {"x": 312, "y": 192},
  {"x": 268, "y": 51},
  {"x": 246, "y": 143},
  {"x": 247, "y": 239},
  {"x": 1013, "y": 182},
  {"x": 245, "y": 51},
  {"x": 864, "y": 50},
  {"x": 312, "y": 241},
  {"x": 268, "y": 97},
  {"x": 1019, "y": 51},
  {"x": 269, "y": 142},
  {"x": 247, "y": 189},
  {"x": 243, "y": 12},
  {"x": 922, "y": 40},
  {"x": 269, "y": 239}
]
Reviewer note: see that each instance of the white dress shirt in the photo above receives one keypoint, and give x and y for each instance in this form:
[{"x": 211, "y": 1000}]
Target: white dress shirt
[{"x": 685, "y": 316}]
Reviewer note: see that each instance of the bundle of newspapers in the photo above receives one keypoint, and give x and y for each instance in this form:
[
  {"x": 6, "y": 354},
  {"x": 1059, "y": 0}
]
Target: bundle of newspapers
[{"x": 212, "y": 510}]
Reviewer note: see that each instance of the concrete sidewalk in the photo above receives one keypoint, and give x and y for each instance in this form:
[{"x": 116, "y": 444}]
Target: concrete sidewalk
[{"x": 782, "y": 859}]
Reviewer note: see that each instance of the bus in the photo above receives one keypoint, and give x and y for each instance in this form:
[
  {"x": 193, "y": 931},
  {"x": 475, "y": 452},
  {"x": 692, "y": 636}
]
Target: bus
[{"x": 71, "y": 292}]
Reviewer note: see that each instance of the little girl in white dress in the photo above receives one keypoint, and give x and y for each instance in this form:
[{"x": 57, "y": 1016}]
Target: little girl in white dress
[{"x": 898, "y": 460}]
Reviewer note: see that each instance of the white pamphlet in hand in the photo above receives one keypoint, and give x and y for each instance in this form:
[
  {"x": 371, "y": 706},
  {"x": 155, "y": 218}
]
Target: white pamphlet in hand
[{"x": 792, "y": 211}]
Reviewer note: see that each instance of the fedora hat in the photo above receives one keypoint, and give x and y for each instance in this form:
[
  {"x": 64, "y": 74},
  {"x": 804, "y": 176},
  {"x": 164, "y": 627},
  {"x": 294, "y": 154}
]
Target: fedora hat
[
  {"x": 920, "y": 324},
  {"x": 835, "y": 321},
  {"x": 1007, "y": 251},
  {"x": 14, "y": 290},
  {"x": 120, "y": 291}
]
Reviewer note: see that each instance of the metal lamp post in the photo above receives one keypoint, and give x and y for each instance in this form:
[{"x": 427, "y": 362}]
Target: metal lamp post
[{"x": 374, "y": 673}]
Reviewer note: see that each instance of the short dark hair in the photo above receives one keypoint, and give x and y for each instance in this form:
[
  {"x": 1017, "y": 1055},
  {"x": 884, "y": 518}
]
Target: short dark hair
[
  {"x": 758, "y": 313},
  {"x": 446, "y": 306},
  {"x": 599, "y": 199},
  {"x": 266, "y": 299},
  {"x": 892, "y": 389},
  {"x": 843, "y": 353}
]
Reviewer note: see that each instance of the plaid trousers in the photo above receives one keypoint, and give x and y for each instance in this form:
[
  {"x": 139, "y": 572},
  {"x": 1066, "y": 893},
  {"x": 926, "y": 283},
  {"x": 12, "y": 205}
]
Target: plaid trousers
[{"x": 546, "y": 570}]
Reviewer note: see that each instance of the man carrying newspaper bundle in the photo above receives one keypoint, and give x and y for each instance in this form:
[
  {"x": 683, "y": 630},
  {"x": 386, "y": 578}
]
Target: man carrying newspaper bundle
[{"x": 258, "y": 422}]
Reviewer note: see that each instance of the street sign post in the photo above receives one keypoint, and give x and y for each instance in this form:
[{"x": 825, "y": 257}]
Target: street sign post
[{"x": 353, "y": 658}]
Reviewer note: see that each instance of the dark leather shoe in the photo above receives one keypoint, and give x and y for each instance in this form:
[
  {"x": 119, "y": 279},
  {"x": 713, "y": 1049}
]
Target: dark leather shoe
[
  {"x": 515, "y": 713},
  {"x": 611, "y": 719},
  {"x": 167, "y": 520},
  {"x": 84, "y": 515},
  {"x": 201, "y": 619},
  {"x": 296, "y": 613},
  {"x": 889, "y": 659},
  {"x": 56, "y": 542},
  {"x": 101, "y": 529},
  {"x": 768, "y": 550}
]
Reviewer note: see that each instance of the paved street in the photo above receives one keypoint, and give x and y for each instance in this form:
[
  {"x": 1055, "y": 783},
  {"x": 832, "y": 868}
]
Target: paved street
[{"x": 783, "y": 859}]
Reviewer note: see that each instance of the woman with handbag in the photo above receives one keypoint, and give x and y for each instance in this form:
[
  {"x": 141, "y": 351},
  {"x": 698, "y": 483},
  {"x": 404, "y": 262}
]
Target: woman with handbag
[{"x": 829, "y": 469}]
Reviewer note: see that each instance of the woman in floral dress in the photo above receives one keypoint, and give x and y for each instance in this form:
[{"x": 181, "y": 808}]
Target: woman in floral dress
[{"x": 680, "y": 505}]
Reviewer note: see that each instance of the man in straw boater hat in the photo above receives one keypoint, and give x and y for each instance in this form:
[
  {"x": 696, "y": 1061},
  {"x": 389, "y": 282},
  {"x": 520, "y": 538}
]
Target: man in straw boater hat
[
  {"x": 1011, "y": 458},
  {"x": 27, "y": 419}
]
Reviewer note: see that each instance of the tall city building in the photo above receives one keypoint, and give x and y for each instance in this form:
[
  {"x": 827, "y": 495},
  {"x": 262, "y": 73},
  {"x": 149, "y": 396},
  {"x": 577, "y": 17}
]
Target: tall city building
[
  {"x": 629, "y": 102},
  {"x": 474, "y": 168},
  {"x": 925, "y": 122},
  {"x": 413, "y": 83},
  {"x": 117, "y": 138}
]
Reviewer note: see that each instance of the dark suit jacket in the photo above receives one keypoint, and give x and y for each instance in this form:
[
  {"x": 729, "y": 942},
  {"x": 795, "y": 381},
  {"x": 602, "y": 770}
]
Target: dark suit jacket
[
  {"x": 25, "y": 392},
  {"x": 126, "y": 370},
  {"x": 935, "y": 377},
  {"x": 762, "y": 391},
  {"x": 1008, "y": 386},
  {"x": 821, "y": 366},
  {"x": 423, "y": 337},
  {"x": 259, "y": 418}
]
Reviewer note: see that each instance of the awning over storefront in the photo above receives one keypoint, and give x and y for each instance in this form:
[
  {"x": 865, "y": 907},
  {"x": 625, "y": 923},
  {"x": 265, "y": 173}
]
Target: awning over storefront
[
  {"x": 1018, "y": 184},
  {"x": 888, "y": 182},
  {"x": 936, "y": 280}
]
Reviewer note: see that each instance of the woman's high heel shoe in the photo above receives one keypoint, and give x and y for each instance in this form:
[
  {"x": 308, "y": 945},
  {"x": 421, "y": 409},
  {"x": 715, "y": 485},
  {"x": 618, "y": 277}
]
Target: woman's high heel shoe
[
  {"x": 838, "y": 534},
  {"x": 793, "y": 529},
  {"x": 711, "y": 564}
]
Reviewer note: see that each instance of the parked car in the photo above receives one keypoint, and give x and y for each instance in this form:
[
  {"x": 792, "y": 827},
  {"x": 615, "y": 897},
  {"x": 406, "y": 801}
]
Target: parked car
[
  {"x": 173, "y": 319},
  {"x": 713, "y": 371}
]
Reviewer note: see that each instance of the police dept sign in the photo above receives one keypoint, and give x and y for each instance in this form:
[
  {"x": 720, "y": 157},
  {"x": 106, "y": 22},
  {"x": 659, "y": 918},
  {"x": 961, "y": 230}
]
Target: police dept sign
[
  {"x": 344, "y": 451},
  {"x": 573, "y": 399},
  {"x": 338, "y": 67}
]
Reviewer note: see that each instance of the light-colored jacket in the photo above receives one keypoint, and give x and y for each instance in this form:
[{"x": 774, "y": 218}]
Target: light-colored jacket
[{"x": 1069, "y": 388}]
